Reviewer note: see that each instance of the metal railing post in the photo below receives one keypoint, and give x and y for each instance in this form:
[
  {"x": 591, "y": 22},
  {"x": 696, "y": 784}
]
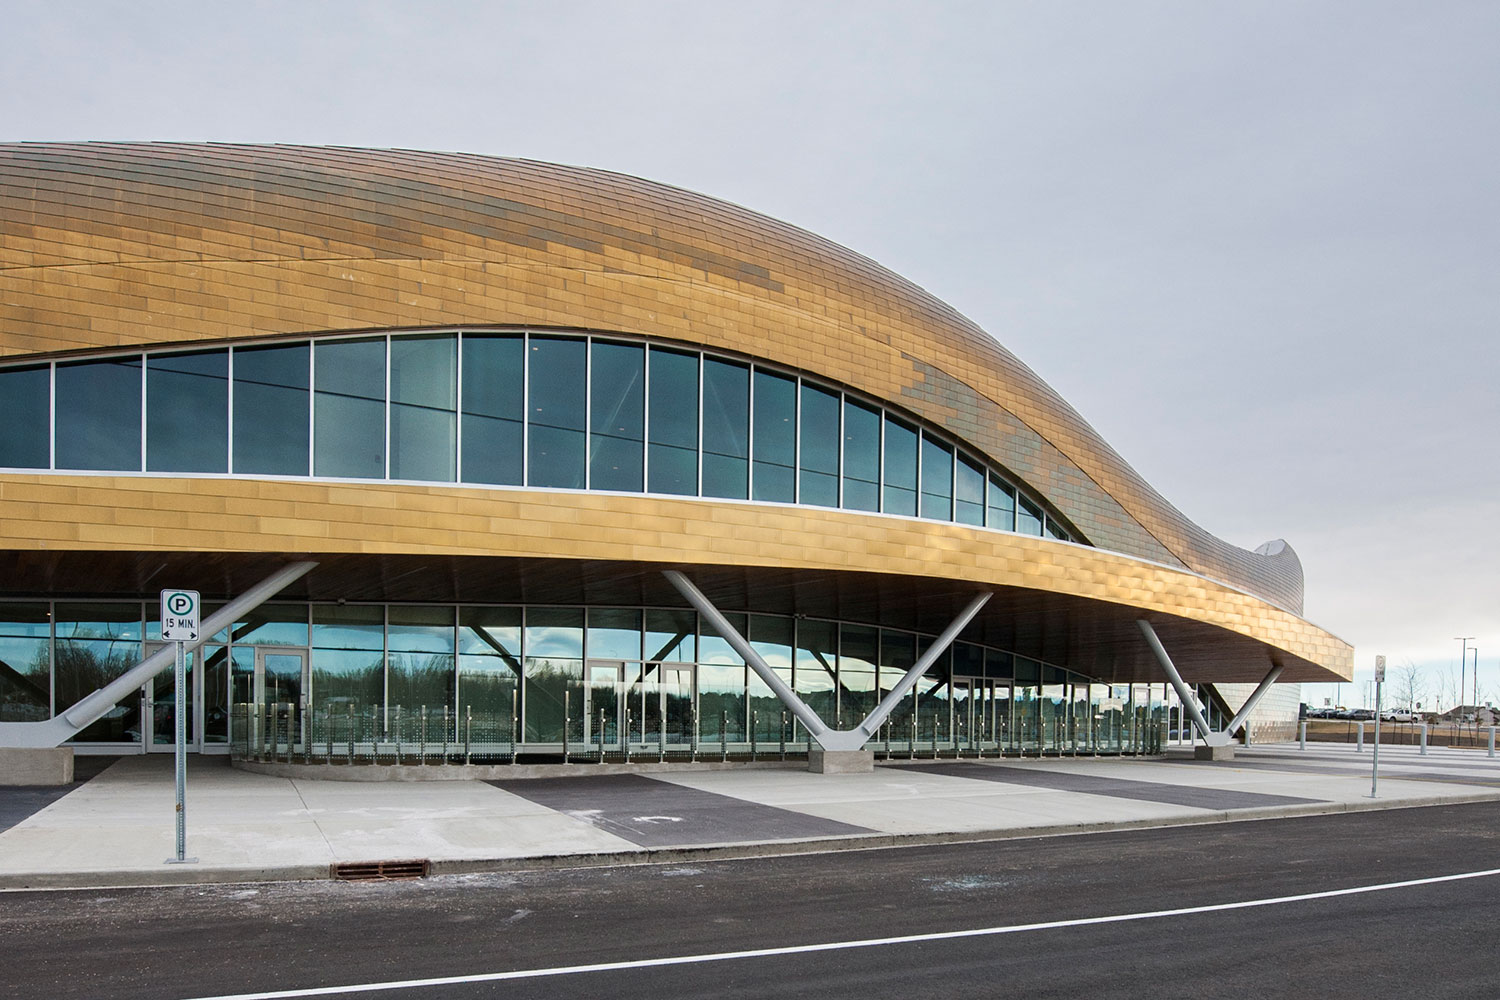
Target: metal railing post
[{"x": 400, "y": 732}]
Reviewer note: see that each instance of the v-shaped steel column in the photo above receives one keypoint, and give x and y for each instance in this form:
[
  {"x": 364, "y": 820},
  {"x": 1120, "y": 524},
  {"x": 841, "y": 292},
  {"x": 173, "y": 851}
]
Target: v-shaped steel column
[
  {"x": 1250, "y": 702},
  {"x": 1184, "y": 695},
  {"x": 826, "y": 737}
]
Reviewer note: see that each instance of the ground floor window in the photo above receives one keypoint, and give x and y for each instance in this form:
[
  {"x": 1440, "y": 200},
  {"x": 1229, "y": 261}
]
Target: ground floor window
[{"x": 544, "y": 676}]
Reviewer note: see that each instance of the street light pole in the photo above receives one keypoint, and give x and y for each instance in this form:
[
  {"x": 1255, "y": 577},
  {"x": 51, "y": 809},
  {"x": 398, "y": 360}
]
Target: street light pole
[
  {"x": 1463, "y": 664},
  {"x": 1476, "y": 692}
]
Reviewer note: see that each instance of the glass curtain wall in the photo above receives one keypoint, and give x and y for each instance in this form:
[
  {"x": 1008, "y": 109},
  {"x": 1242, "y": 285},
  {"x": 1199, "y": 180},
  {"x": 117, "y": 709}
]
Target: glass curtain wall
[
  {"x": 660, "y": 677},
  {"x": 723, "y": 703},
  {"x": 549, "y": 411},
  {"x": 272, "y": 420},
  {"x": 773, "y": 637},
  {"x": 187, "y": 412},
  {"x": 493, "y": 418},
  {"x": 25, "y": 410},
  {"x": 349, "y": 408},
  {"x": 25, "y": 663},
  {"x": 617, "y": 406},
  {"x": 726, "y": 429}
]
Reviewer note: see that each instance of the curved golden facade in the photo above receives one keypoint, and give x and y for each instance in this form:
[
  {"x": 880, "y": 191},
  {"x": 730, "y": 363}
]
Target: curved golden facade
[{"x": 108, "y": 245}]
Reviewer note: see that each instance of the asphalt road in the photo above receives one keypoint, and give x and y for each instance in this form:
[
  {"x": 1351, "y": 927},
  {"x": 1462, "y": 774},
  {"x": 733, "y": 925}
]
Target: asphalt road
[{"x": 1430, "y": 940}]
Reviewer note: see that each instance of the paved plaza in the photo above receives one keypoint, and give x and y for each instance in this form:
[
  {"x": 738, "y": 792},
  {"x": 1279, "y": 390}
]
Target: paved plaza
[{"x": 115, "y": 827}]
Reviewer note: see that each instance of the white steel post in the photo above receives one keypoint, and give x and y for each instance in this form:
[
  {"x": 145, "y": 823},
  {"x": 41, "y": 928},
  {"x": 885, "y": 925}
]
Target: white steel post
[{"x": 1375, "y": 751}]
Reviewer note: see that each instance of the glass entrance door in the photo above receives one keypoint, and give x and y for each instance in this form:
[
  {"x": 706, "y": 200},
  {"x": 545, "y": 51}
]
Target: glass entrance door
[
  {"x": 677, "y": 703},
  {"x": 666, "y": 700},
  {"x": 963, "y": 712},
  {"x": 974, "y": 700},
  {"x": 280, "y": 693},
  {"x": 280, "y": 676},
  {"x": 604, "y": 704}
]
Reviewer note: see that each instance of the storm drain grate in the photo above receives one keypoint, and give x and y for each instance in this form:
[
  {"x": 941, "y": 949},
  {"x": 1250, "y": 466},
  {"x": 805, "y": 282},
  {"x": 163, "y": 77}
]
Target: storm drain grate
[{"x": 378, "y": 871}]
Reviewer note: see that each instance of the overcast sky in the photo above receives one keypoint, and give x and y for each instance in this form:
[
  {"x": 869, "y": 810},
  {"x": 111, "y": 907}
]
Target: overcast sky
[{"x": 1256, "y": 244}]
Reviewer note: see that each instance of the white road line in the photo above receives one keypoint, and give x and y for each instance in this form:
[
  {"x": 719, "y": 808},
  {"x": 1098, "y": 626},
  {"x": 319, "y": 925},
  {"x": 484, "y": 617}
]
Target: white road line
[{"x": 802, "y": 949}]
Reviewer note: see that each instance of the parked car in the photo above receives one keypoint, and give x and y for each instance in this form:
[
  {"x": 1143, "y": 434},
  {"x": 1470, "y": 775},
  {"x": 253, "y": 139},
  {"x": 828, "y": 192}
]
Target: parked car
[{"x": 1362, "y": 715}]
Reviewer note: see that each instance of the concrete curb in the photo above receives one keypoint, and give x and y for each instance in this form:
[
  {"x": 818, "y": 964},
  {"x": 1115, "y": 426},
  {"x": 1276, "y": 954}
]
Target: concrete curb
[{"x": 195, "y": 875}]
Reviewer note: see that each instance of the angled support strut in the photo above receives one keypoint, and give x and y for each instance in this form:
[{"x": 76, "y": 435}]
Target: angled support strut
[
  {"x": 825, "y": 736},
  {"x": 1189, "y": 704},
  {"x": 1255, "y": 696}
]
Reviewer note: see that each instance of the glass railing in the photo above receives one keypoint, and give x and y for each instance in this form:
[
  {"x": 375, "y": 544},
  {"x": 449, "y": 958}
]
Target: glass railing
[{"x": 342, "y": 733}]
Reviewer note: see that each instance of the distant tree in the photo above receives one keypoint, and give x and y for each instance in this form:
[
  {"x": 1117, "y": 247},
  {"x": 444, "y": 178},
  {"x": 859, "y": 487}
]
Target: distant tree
[
  {"x": 1411, "y": 685},
  {"x": 1448, "y": 693}
]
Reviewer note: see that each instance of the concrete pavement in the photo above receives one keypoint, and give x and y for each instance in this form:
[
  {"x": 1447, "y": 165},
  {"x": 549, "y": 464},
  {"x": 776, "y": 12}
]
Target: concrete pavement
[{"x": 117, "y": 828}]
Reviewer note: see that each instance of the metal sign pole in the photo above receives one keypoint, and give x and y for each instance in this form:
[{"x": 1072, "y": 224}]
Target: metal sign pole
[
  {"x": 181, "y": 754},
  {"x": 180, "y": 621},
  {"x": 1375, "y": 756}
]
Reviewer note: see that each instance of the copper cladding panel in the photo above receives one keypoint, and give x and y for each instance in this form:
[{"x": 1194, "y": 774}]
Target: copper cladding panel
[
  {"x": 1062, "y": 602},
  {"x": 105, "y": 245}
]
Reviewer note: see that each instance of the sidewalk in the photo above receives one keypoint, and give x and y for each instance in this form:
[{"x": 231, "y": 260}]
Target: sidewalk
[{"x": 117, "y": 828}]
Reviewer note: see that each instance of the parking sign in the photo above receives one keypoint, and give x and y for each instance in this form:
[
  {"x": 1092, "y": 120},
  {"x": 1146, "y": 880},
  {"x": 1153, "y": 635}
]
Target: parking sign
[{"x": 179, "y": 615}]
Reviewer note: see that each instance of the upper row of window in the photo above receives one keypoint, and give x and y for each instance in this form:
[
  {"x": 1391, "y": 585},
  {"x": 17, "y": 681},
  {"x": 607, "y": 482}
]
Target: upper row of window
[{"x": 508, "y": 409}]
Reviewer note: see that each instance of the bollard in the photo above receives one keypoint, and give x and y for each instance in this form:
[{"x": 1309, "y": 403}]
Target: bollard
[
  {"x": 1359, "y": 738},
  {"x": 1424, "y": 739},
  {"x": 1302, "y": 737},
  {"x": 1492, "y": 741}
]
